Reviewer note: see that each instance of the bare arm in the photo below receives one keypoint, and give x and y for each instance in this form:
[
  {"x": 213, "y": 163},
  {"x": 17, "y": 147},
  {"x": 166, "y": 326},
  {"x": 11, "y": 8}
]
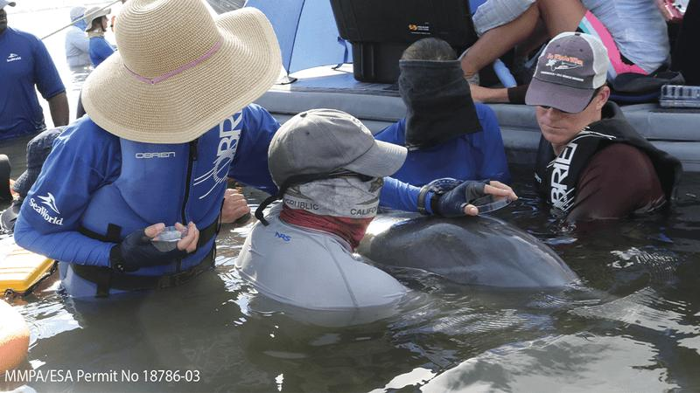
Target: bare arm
[
  {"x": 489, "y": 95},
  {"x": 512, "y": 95},
  {"x": 557, "y": 15},
  {"x": 58, "y": 105}
]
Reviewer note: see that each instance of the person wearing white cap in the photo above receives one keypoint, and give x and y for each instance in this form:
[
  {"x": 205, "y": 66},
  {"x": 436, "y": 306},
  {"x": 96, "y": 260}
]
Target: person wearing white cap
[
  {"x": 4, "y": 3},
  {"x": 169, "y": 119},
  {"x": 96, "y": 26},
  {"x": 26, "y": 66},
  {"x": 591, "y": 163}
]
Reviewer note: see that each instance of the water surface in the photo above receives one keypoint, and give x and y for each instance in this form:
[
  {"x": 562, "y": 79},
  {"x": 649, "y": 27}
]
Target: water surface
[{"x": 633, "y": 325}]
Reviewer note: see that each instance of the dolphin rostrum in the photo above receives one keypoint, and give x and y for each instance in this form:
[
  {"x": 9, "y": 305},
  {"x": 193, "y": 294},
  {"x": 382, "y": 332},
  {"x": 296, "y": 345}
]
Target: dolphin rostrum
[{"x": 482, "y": 251}]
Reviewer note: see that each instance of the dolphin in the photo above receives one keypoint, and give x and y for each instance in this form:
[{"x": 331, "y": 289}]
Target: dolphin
[{"x": 481, "y": 251}]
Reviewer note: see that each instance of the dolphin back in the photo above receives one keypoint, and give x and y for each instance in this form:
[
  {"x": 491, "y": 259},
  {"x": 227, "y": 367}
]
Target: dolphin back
[{"x": 481, "y": 251}]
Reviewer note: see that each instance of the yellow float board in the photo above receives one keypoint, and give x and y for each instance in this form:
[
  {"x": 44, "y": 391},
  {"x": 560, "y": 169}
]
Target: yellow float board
[{"x": 20, "y": 269}]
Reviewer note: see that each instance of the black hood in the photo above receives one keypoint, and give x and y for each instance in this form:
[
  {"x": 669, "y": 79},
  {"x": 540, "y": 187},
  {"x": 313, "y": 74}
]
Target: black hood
[{"x": 438, "y": 100}]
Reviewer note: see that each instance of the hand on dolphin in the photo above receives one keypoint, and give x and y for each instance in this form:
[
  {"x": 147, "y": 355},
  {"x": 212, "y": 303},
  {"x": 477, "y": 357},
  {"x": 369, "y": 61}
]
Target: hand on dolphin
[{"x": 457, "y": 201}]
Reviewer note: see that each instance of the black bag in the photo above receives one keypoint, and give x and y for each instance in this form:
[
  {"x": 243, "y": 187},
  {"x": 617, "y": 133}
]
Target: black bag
[{"x": 632, "y": 88}]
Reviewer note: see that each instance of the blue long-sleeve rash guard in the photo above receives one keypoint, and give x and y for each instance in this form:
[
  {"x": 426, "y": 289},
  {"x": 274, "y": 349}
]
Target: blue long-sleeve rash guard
[
  {"x": 86, "y": 157},
  {"x": 476, "y": 156},
  {"x": 100, "y": 50}
]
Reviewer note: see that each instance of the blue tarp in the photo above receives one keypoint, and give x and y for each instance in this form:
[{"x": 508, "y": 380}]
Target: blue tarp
[{"x": 306, "y": 31}]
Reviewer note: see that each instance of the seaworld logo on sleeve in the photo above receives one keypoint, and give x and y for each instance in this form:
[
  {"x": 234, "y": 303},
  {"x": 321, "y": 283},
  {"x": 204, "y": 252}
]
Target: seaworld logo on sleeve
[{"x": 49, "y": 201}]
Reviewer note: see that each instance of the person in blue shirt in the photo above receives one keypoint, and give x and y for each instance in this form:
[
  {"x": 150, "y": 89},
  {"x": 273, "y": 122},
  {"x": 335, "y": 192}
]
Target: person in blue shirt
[
  {"x": 183, "y": 125},
  {"x": 446, "y": 133},
  {"x": 25, "y": 64},
  {"x": 97, "y": 24}
]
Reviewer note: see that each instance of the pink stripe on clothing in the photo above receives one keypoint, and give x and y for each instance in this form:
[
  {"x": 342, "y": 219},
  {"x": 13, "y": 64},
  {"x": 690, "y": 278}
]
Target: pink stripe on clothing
[
  {"x": 178, "y": 70},
  {"x": 592, "y": 25}
]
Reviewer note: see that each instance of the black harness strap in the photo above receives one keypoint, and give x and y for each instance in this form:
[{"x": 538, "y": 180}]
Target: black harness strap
[
  {"x": 208, "y": 233},
  {"x": 101, "y": 276},
  {"x": 113, "y": 234},
  {"x": 131, "y": 282},
  {"x": 106, "y": 278}
]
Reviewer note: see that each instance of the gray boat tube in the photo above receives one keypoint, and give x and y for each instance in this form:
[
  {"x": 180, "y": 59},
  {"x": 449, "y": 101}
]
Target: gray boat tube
[
  {"x": 5, "y": 169},
  {"x": 480, "y": 251}
]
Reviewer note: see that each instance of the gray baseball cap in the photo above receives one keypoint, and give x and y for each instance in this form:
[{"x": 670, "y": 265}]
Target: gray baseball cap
[
  {"x": 4, "y": 3},
  {"x": 571, "y": 68},
  {"x": 321, "y": 141}
]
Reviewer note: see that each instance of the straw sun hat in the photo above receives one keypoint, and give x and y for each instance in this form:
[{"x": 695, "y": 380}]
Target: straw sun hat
[{"x": 178, "y": 72}]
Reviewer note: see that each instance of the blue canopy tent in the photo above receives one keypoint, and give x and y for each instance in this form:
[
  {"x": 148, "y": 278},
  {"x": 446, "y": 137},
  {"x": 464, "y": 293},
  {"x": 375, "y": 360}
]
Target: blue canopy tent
[{"x": 306, "y": 31}]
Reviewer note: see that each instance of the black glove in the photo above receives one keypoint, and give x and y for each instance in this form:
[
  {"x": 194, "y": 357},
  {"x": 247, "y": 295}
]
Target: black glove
[
  {"x": 137, "y": 251},
  {"x": 450, "y": 195}
]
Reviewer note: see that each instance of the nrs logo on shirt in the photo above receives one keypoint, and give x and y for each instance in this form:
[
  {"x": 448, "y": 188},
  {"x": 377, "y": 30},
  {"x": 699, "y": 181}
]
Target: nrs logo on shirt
[
  {"x": 49, "y": 201},
  {"x": 283, "y": 236}
]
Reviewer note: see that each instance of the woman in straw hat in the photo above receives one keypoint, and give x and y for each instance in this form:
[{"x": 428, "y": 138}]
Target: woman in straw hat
[
  {"x": 100, "y": 49},
  {"x": 169, "y": 119}
]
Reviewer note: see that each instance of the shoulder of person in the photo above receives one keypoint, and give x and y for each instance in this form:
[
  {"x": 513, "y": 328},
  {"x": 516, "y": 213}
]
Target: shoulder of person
[
  {"x": 29, "y": 38},
  {"x": 253, "y": 110},
  {"x": 621, "y": 156},
  {"x": 255, "y": 115},
  {"x": 393, "y": 133},
  {"x": 485, "y": 112},
  {"x": 84, "y": 135},
  {"x": 620, "y": 159},
  {"x": 76, "y": 31}
]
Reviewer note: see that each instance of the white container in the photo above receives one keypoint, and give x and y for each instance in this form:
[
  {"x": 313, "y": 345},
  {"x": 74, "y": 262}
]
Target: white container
[{"x": 168, "y": 238}]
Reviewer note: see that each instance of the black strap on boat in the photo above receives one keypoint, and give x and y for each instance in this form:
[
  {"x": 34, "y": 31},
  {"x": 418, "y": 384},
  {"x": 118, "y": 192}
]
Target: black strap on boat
[{"x": 106, "y": 278}]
